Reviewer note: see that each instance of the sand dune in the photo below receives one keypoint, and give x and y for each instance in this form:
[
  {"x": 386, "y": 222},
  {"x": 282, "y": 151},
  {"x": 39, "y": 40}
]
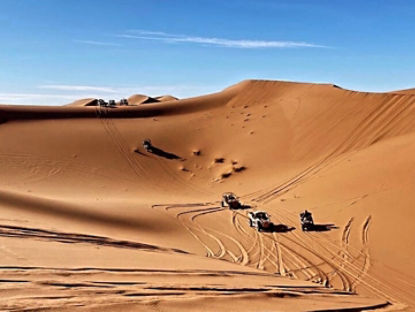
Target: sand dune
[
  {"x": 92, "y": 221},
  {"x": 84, "y": 102},
  {"x": 406, "y": 91},
  {"x": 138, "y": 99},
  {"x": 165, "y": 98}
]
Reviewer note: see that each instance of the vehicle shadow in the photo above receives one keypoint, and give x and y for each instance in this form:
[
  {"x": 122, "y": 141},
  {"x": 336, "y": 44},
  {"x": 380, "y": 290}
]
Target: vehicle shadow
[
  {"x": 322, "y": 227},
  {"x": 138, "y": 152},
  {"x": 241, "y": 207},
  {"x": 159, "y": 152},
  {"x": 279, "y": 228}
]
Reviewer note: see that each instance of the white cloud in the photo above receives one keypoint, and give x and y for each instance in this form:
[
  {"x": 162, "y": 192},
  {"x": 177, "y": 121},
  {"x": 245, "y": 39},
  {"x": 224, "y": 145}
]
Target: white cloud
[
  {"x": 150, "y": 32},
  {"x": 98, "y": 43},
  {"x": 35, "y": 98},
  {"x": 78, "y": 88},
  {"x": 219, "y": 42}
]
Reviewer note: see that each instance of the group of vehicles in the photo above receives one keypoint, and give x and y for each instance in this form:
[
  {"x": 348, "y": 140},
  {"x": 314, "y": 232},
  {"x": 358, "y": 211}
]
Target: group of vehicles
[
  {"x": 112, "y": 103},
  {"x": 257, "y": 219},
  {"x": 260, "y": 219}
]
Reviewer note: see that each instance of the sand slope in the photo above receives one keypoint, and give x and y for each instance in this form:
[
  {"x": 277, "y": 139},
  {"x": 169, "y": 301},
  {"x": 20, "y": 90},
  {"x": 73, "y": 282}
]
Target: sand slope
[
  {"x": 90, "y": 220},
  {"x": 84, "y": 102}
]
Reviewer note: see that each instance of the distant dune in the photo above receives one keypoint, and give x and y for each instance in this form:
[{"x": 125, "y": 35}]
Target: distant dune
[
  {"x": 84, "y": 102},
  {"x": 165, "y": 98},
  {"x": 92, "y": 221},
  {"x": 136, "y": 99}
]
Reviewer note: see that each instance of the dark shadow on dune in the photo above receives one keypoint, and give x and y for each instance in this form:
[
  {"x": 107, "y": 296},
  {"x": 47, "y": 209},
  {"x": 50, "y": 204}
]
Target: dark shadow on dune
[
  {"x": 138, "y": 152},
  {"x": 282, "y": 228},
  {"x": 242, "y": 207},
  {"x": 26, "y": 202},
  {"x": 279, "y": 228},
  {"x": 322, "y": 227},
  {"x": 159, "y": 152},
  {"x": 71, "y": 238}
]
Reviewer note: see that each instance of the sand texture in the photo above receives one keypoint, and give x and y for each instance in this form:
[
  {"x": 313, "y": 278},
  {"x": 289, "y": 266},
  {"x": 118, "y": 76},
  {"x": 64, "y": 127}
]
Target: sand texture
[{"x": 91, "y": 221}]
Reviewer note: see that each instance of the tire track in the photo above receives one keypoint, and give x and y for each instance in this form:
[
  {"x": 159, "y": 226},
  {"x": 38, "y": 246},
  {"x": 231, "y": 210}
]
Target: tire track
[
  {"x": 142, "y": 285},
  {"x": 365, "y": 250},
  {"x": 192, "y": 228},
  {"x": 236, "y": 242},
  {"x": 243, "y": 258},
  {"x": 260, "y": 264},
  {"x": 62, "y": 164},
  {"x": 281, "y": 267},
  {"x": 119, "y": 142},
  {"x": 353, "y": 272},
  {"x": 299, "y": 262},
  {"x": 372, "y": 284},
  {"x": 254, "y": 240},
  {"x": 343, "y": 252},
  {"x": 345, "y": 281},
  {"x": 279, "y": 252},
  {"x": 294, "y": 260},
  {"x": 306, "y": 266},
  {"x": 378, "y": 116},
  {"x": 222, "y": 250},
  {"x": 299, "y": 241}
]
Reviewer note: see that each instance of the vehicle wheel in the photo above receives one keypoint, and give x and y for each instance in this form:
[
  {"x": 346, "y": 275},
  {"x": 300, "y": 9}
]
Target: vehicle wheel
[
  {"x": 222, "y": 203},
  {"x": 250, "y": 223},
  {"x": 259, "y": 227}
]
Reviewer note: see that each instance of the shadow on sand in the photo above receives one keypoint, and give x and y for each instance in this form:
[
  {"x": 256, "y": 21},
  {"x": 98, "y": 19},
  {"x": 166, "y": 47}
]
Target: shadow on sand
[
  {"x": 322, "y": 227},
  {"x": 159, "y": 152},
  {"x": 242, "y": 207},
  {"x": 279, "y": 228}
]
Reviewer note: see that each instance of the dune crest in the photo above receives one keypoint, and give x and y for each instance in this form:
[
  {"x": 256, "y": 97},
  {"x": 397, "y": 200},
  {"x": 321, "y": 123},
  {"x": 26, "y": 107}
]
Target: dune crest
[{"x": 84, "y": 102}]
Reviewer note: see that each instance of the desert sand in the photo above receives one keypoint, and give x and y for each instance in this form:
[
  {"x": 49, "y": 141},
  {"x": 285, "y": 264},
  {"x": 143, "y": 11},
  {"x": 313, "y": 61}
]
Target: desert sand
[{"x": 91, "y": 221}]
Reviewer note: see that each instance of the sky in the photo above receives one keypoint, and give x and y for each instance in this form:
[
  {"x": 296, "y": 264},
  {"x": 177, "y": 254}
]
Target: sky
[{"x": 55, "y": 51}]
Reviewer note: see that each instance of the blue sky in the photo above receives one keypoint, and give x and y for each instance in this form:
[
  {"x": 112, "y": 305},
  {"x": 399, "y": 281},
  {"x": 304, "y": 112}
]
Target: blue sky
[{"x": 54, "y": 51}]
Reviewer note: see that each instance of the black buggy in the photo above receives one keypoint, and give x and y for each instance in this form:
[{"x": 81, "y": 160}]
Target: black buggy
[
  {"x": 307, "y": 222},
  {"x": 147, "y": 145}
]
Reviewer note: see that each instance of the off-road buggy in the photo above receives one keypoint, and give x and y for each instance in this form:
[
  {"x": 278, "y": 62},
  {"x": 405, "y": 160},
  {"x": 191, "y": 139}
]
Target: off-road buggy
[
  {"x": 231, "y": 200},
  {"x": 307, "y": 222},
  {"x": 260, "y": 220},
  {"x": 147, "y": 145}
]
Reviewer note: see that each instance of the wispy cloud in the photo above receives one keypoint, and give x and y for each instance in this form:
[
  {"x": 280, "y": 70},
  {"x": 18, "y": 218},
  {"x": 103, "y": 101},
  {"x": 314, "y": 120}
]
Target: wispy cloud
[
  {"x": 77, "y": 88},
  {"x": 35, "y": 98},
  {"x": 218, "y": 42},
  {"x": 98, "y": 43},
  {"x": 115, "y": 91}
]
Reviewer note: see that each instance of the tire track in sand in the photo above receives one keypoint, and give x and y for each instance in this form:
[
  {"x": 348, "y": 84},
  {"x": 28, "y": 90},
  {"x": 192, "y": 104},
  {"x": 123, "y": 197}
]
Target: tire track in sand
[
  {"x": 365, "y": 250},
  {"x": 186, "y": 218},
  {"x": 119, "y": 142},
  {"x": 243, "y": 258}
]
